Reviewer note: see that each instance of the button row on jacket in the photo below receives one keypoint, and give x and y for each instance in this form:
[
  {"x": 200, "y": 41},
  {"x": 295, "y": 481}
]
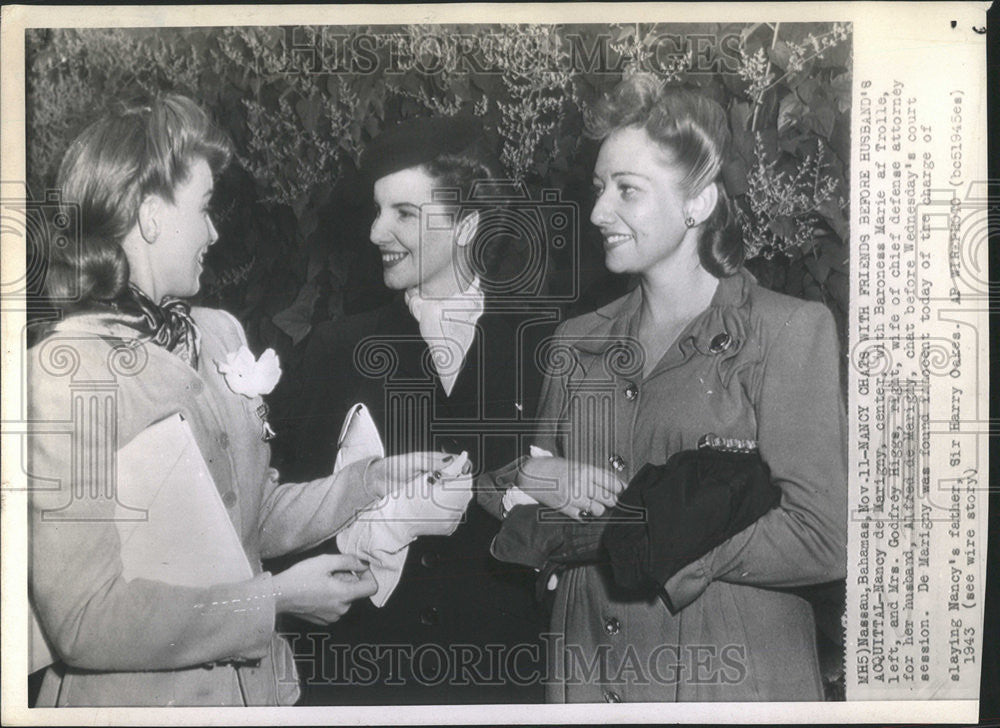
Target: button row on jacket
[
  {"x": 617, "y": 462},
  {"x": 429, "y": 560},
  {"x": 229, "y": 498},
  {"x": 430, "y": 616}
]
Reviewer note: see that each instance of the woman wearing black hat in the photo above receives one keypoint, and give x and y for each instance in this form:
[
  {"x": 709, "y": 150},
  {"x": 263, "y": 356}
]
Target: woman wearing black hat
[{"x": 438, "y": 368}]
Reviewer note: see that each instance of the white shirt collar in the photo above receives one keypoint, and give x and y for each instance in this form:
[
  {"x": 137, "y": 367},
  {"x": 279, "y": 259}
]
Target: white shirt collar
[
  {"x": 448, "y": 326},
  {"x": 462, "y": 303}
]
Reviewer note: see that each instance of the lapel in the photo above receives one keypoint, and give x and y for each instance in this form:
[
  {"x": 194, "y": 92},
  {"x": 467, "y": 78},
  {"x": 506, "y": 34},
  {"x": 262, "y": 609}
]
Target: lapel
[
  {"x": 612, "y": 340},
  {"x": 609, "y": 339},
  {"x": 401, "y": 333},
  {"x": 396, "y": 335},
  {"x": 488, "y": 368},
  {"x": 211, "y": 350}
]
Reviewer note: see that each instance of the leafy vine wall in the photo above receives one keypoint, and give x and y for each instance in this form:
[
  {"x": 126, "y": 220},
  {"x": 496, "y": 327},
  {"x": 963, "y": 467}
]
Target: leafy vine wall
[{"x": 301, "y": 104}]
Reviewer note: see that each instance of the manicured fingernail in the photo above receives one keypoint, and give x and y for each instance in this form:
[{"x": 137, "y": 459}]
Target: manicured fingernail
[
  {"x": 467, "y": 468},
  {"x": 449, "y": 458}
]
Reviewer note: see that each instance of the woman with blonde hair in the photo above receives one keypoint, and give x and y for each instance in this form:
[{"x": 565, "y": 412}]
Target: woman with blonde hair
[
  {"x": 128, "y": 354},
  {"x": 702, "y": 385}
]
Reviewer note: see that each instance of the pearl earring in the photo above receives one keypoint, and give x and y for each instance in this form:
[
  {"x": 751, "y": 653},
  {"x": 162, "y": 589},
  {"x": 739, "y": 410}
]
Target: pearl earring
[{"x": 689, "y": 222}]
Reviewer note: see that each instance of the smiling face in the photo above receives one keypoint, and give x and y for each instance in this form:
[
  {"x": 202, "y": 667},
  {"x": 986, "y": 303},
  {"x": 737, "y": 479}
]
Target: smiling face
[
  {"x": 640, "y": 205},
  {"x": 185, "y": 233},
  {"x": 414, "y": 253}
]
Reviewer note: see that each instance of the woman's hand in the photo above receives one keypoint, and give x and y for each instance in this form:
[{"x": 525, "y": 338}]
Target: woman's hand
[
  {"x": 572, "y": 487},
  {"x": 432, "y": 505},
  {"x": 321, "y": 589},
  {"x": 387, "y": 475}
]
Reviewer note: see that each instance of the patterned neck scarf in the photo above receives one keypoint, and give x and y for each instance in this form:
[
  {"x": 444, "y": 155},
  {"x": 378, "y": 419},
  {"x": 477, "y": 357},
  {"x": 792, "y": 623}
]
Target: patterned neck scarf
[{"x": 168, "y": 324}]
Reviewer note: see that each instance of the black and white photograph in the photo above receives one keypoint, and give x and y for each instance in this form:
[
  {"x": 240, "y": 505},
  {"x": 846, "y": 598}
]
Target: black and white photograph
[{"x": 370, "y": 364}]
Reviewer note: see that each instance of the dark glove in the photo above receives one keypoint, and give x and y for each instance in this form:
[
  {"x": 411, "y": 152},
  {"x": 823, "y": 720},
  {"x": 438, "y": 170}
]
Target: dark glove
[
  {"x": 537, "y": 536},
  {"x": 695, "y": 501}
]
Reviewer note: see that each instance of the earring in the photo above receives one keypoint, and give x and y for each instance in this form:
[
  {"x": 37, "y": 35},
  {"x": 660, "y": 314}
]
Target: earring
[{"x": 689, "y": 222}]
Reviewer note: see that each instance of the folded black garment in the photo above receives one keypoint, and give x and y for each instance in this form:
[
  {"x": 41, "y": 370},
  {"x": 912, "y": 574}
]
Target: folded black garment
[
  {"x": 667, "y": 517},
  {"x": 692, "y": 503}
]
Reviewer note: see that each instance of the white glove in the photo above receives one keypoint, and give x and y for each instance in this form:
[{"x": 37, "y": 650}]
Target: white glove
[{"x": 429, "y": 505}]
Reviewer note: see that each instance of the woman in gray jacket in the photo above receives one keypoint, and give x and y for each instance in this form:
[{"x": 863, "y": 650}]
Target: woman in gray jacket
[
  {"x": 128, "y": 354},
  {"x": 696, "y": 349}
]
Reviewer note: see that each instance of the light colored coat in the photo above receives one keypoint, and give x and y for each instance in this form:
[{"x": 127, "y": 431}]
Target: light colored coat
[
  {"x": 143, "y": 642},
  {"x": 734, "y": 635}
]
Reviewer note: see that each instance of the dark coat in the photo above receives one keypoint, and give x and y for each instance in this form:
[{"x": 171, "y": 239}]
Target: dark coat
[
  {"x": 756, "y": 365},
  {"x": 452, "y": 593}
]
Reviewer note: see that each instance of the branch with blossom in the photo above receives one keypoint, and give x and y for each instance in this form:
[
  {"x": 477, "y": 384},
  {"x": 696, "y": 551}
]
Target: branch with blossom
[
  {"x": 783, "y": 206},
  {"x": 756, "y": 68}
]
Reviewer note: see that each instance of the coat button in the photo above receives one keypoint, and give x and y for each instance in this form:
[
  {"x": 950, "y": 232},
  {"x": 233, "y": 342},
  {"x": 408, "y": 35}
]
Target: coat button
[
  {"x": 617, "y": 462},
  {"x": 429, "y": 560},
  {"x": 430, "y": 616},
  {"x": 197, "y": 387},
  {"x": 229, "y": 498},
  {"x": 612, "y": 625},
  {"x": 610, "y": 696},
  {"x": 631, "y": 392},
  {"x": 223, "y": 440},
  {"x": 720, "y": 343}
]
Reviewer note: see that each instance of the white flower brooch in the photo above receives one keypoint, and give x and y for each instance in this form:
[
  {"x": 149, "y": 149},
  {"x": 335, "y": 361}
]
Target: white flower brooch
[{"x": 251, "y": 377}]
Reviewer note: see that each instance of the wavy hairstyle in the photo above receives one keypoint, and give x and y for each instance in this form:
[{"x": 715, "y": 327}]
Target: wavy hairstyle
[
  {"x": 693, "y": 130},
  {"x": 462, "y": 170},
  {"x": 108, "y": 170}
]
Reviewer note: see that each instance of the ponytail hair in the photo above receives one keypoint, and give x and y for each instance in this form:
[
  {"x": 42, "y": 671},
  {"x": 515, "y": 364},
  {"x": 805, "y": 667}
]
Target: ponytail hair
[
  {"x": 693, "y": 130},
  {"x": 108, "y": 170}
]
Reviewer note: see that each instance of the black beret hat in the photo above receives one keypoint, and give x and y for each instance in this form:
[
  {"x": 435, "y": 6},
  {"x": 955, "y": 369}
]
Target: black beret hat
[{"x": 418, "y": 141}]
